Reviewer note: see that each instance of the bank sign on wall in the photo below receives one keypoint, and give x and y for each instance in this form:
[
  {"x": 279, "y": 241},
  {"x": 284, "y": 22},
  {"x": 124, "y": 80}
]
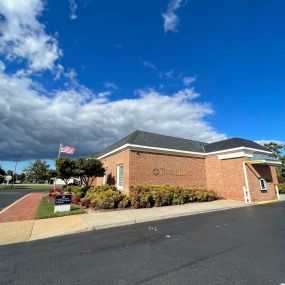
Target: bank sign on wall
[{"x": 167, "y": 171}]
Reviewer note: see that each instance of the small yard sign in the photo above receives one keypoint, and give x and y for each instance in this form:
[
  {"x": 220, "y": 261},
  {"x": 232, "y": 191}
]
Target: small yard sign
[
  {"x": 8, "y": 178},
  {"x": 62, "y": 203}
]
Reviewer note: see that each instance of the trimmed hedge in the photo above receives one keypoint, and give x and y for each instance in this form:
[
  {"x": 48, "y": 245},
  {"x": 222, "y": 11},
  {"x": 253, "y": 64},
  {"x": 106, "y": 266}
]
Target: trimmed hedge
[
  {"x": 281, "y": 187},
  {"x": 78, "y": 191},
  {"x": 146, "y": 196},
  {"x": 105, "y": 197}
]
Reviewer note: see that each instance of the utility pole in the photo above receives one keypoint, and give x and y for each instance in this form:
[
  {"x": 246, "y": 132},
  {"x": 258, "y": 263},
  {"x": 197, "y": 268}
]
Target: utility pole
[{"x": 17, "y": 156}]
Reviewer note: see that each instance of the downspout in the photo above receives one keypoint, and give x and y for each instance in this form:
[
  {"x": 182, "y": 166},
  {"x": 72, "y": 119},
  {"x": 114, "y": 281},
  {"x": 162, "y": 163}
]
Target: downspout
[{"x": 246, "y": 182}]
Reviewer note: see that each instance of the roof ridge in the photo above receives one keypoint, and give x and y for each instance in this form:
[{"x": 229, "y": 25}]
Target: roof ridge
[
  {"x": 134, "y": 136},
  {"x": 171, "y": 137}
]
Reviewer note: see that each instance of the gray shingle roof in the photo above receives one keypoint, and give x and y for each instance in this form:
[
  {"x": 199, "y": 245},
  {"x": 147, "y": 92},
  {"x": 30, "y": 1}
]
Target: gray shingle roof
[
  {"x": 155, "y": 140},
  {"x": 233, "y": 143}
]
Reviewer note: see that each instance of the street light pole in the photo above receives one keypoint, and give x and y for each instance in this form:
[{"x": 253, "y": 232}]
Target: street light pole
[{"x": 17, "y": 155}]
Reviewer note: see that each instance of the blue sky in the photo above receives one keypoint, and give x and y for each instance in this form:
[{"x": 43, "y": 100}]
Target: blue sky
[{"x": 93, "y": 71}]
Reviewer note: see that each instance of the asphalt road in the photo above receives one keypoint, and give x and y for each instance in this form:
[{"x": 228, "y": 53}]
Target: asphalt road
[
  {"x": 7, "y": 197},
  {"x": 239, "y": 246}
]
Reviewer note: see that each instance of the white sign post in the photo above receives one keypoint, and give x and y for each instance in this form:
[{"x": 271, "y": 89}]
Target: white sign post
[{"x": 8, "y": 178}]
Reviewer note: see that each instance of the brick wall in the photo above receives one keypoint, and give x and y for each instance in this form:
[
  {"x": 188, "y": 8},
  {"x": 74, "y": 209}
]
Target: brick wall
[
  {"x": 110, "y": 163},
  {"x": 154, "y": 168},
  {"x": 225, "y": 177},
  {"x": 254, "y": 172}
]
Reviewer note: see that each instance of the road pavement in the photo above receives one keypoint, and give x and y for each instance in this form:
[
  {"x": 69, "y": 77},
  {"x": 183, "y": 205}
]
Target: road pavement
[
  {"x": 238, "y": 246},
  {"x": 8, "y": 197}
]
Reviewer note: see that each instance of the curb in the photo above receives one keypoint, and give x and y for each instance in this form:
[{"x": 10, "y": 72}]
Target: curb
[
  {"x": 11, "y": 205},
  {"x": 145, "y": 220},
  {"x": 87, "y": 229},
  {"x": 267, "y": 202},
  {"x": 90, "y": 228}
]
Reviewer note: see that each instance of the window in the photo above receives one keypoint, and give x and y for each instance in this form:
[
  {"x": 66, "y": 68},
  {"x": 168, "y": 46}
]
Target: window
[
  {"x": 120, "y": 177},
  {"x": 262, "y": 183}
]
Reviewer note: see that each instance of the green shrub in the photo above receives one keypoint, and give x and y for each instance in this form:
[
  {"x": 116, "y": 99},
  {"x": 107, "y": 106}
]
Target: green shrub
[
  {"x": 105, "y": 200},
  {"x": 105, "y": 197},
  {"x": 109, "y": 199},
  {"x": 104, "y": 188},
  {"x": 125, "y": 202},
  {"x": 85, "y": 202},
  {"x": 79, "y": 191},
  {"x": 281, "y": 187},
  {"x": 76, "y": 190},
  {"x": 100, "y": 188},
  {"x": 206, "y": 196},
  {"x": 183, "y": 195},
  {"x": 162, "y": 195},
  {"x": 146, "y": 196},
  {"x": 141, "y": 196}
]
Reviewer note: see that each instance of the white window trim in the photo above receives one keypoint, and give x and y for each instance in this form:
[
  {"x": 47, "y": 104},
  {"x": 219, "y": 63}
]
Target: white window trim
[
  {"x": 120, "y": 187},
  {"x": 260, "y": 184}
]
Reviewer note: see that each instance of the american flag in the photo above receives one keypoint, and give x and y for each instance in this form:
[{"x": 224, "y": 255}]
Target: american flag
[{"x": 67, "y": 149}]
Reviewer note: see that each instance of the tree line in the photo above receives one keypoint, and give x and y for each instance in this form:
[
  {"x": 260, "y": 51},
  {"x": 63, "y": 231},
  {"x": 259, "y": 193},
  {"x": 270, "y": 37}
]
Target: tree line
[{"x": 86, "y": 169}]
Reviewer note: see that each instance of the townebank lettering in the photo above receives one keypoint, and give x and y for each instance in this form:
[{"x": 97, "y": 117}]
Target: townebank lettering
[{"x": 164, "y": 171}]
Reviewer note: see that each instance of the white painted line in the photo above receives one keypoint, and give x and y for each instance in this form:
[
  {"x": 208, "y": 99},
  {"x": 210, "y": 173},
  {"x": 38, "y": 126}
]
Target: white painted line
[{"x": 11, "y": 205}]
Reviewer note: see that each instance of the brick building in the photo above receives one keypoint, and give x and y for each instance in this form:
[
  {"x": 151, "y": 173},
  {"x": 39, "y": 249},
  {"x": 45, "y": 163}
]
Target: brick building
[{"x": 235, "y": 168}]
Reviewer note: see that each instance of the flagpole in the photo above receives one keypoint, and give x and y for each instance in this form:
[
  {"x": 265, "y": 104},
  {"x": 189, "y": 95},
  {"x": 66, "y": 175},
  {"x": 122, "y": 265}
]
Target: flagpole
[
  {"x": 60, "y": 145},
  {"x": 58, "y": 156}
]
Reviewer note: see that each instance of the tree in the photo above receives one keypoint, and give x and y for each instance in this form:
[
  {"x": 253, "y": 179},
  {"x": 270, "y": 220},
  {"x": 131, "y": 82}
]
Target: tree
[
  {"x": 2, "y": 171},
  {"x": 277, "y": 152},
  {"x": 2, "y": 174},
  {"x": 275, "y": 148},
  {"x": 65, "y": 168},
  {"x": 52, "y": 175},
  {"x": 37, "y": 171},
  {"x": 21, "y": 177},
  {"x": 88, "y": 170}
]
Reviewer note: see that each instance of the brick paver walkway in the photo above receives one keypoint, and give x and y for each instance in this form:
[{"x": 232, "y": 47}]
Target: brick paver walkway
[{"x": 23, "y": 210}]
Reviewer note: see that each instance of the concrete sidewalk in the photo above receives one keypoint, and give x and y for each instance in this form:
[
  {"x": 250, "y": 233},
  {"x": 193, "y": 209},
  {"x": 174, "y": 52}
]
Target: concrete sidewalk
[{"x": 14, "y": 232}]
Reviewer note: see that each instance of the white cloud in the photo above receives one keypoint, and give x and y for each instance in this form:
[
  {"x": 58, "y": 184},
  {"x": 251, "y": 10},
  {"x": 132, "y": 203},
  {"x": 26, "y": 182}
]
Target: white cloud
[
  {"x": 111, "y": 85},
  {"x": 149, "y": 64},
  {"x": 23, "y": 37},
  {"x": 170, "y": 19},
  {"x": 71, "y": 74},
  {"x": 34, "y": 120},
  {"x": 187, "y": 80},
  {"x": 32, "y": 123},
  {"x": 167, "y": 74},
  {"x": 73, "y": 8},
  {"x": 2, "y": 65}
]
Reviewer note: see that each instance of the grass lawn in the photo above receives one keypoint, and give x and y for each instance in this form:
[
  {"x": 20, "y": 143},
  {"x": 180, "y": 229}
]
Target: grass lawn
[
  {"x": 29, "y": 187},
  {"x": 46, "y": 209}
]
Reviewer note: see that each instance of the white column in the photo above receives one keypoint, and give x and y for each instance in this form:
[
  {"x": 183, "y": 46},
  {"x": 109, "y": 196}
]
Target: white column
[
  {"x": 277, "y": 192},
  {"x": 246, "y": 182}
]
